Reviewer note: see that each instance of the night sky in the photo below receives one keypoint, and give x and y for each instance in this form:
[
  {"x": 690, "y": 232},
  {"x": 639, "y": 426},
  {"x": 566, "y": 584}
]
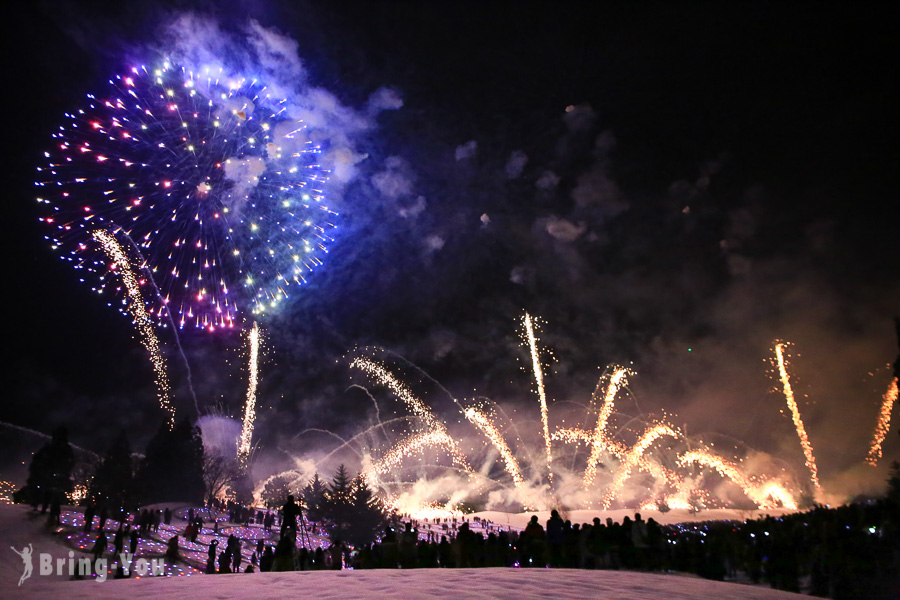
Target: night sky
[{"x": 670, "y": 186}]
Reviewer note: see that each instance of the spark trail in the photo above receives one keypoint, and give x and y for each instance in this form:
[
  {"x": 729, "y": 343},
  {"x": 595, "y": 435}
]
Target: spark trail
[
  {"x": 415, "y": 444},
  {"x": 250, "y": 407},
  {"x": 486, "y": 425},
  {"x": 141, "y": 319},
  {"x": 632, "y": 457},
  {"x": 539, "y": 380},
  {"x": 387, "y": 379},
  {"x": 884, "y": 423},
  {"x": 760, "y": 495},
  {"x": 598, "y": 440},
  {"x": 795, "y": 415}
]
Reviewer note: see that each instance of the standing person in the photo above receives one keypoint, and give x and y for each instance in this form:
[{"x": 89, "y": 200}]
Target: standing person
[
  {"x": 211, "y": 557},
  {"x": 89, "y": 517},
  {"x": 133, "y": 541},
  {"x": 118, "y": 541},
  {"x": 172, "y": 548},
  {"x": 99, "y": 546},
  {"x": 290, "y": 510}
]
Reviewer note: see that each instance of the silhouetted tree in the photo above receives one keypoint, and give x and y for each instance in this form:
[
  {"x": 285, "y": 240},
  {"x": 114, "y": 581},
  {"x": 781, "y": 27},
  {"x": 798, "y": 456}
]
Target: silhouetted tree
[
  {"x": 356, "y": 515},
  {"x": 219, "y": 472},
  {"x": 275, "y": 492},
  {"x": 172, "y": 469},
  {"x": 113, "y": 484},
  {"x": 50, "y": 472},
  {"x": 314, "y": 498}
]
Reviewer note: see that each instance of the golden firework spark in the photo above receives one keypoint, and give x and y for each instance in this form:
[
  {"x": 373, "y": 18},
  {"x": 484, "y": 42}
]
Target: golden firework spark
[
  {"x": 884, "y": 423},
  {"x": 486, "y": 425},
  {"x": 416, "y": 444},
  {"x": 250, "y": 407},
  {"x": 633, "y": 457},
  {"x": 762, "y": 495},
  {"x": 795, "y": 414},
  {"x": 141, "y": 319},
  {"x": 539, "y": 380},
  {"x": 599, "y": 442},
  {"x": 387, "y": 379}
]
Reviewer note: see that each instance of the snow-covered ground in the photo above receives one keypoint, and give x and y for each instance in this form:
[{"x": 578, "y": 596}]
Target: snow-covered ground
[{"x": 19, "y": 527}]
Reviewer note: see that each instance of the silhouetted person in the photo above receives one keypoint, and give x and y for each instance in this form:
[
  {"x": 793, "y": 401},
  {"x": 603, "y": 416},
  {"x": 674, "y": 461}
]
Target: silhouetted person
[
  {"x": 290, "y": 510},
  {"x": 172, "y": 548},
  {"x": 89, "y": 517},
  {"x": 99, "y": 546}
]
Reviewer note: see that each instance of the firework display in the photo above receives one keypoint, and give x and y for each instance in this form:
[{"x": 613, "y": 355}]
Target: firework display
[
  {"x": 209, "y": 177},
  {"x": 613, "y": 457}
]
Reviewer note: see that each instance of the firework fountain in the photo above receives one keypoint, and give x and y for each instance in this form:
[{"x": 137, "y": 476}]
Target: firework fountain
[
  {"x": 610, "y": 459},
  {"x": 250, "y": 405}
]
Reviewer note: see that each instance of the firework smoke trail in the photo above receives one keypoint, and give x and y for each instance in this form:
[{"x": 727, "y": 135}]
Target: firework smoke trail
[
  {"x": 387, "y": 379},
  {"x": 250, "y": 408},
  {"x": 539, "y": 380},
  {"x": 142, "y": 321},
  {"x": 633, "y": 457},
  {"x": 598, "y": 441},
  {"x": 795, "y": 415},
  {"x": 484, "y": 423},
  {"x": 884, "y": 423}
]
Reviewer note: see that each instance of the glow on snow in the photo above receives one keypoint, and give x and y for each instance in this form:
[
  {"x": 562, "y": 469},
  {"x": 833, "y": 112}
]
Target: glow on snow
[
  {"x": 795, "y": 414},
  {"x": 142, "y": 321},
  {"x": 211, "y": 177},
  {"x": 539, "y": 381},
  {"x": 884, "y": 423},
  {"x": 250, "y": 407}
]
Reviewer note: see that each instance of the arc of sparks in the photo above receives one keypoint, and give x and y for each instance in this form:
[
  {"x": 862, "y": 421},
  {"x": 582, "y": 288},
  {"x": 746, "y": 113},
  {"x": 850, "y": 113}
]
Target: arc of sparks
[
  {"x": 795, "y": 415},
  {"x": 632, "y": 457},
  {"x": 598, "y": 440},
  {"x": 539, "y": 380},
  {"x": 417, "y": 443},
  {"x": 484, "y": 423},
  {"x": 760, "y": 495},
  {"x": 884, "y": 423},
  {"x": 141, "y": 319},
  {"x": 250, "y": 406},
  {"x": 402, "y": 391}
]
